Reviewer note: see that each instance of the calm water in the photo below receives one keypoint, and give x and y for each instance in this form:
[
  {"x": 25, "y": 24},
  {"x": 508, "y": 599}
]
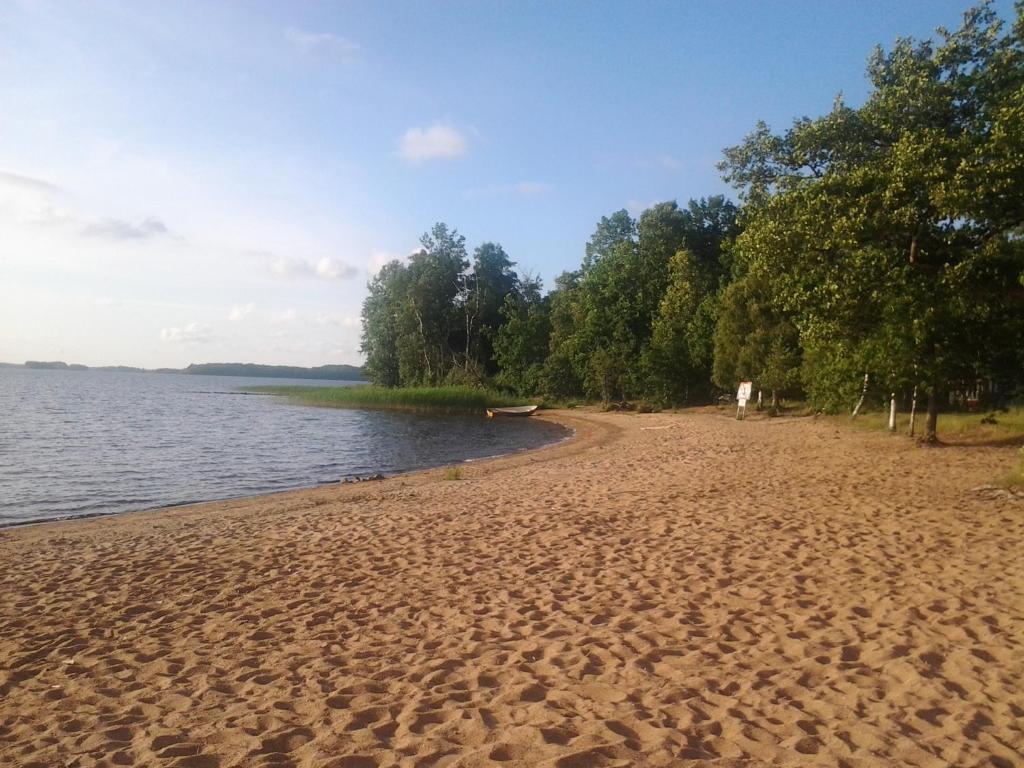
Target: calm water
[{"x": 89, "y": 442}]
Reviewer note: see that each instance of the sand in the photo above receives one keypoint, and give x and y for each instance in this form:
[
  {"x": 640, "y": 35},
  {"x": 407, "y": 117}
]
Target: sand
[{"x": 663, "y": 590}]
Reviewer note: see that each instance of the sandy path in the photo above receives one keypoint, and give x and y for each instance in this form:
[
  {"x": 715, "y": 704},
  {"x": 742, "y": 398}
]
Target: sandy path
[{"x": 665, "y": 589}]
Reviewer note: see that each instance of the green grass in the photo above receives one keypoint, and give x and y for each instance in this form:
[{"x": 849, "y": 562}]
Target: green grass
[
  {"x": 1015, "y": 478},
  {"x": 420, "y": 399},
  {"x": 952, "y": 427}
]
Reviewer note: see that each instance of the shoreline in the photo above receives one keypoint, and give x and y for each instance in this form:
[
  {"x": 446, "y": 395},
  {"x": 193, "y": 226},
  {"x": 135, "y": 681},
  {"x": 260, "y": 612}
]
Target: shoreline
[
  {"x": 169, "y": 508},
  {"x": 662, "y": 589}
]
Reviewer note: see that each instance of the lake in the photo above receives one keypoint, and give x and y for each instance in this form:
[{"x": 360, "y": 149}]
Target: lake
[{"x": 77, "y": 443}]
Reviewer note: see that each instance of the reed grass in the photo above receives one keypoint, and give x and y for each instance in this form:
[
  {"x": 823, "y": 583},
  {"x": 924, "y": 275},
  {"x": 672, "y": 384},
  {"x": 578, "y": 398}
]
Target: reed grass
[
  {"x": 452, "y": 473},
  {"x": 418, "y": 399}
]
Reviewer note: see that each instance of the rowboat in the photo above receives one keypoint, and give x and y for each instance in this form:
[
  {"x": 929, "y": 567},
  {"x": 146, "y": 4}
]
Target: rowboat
[{"x": 517, "y": 410}]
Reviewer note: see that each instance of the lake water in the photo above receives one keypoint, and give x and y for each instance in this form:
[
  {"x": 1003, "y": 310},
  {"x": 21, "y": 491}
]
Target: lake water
[{"x": 75, "y": 443}]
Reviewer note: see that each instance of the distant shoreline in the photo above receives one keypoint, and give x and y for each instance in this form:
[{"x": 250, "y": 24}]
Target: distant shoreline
[{"x": 253, "y": 370}]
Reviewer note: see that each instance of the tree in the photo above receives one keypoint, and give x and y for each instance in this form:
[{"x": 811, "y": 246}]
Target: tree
[
  {"x": 892, "y": 249},
  {"x": 671, "y": 361},
  {"x": 755, "y": 340},
  {"x": 382, "y": 312},
  {"x": 521, "y": 343},
  {"x": 491, "y": 282},
  {"x": 561, "y": 373}
]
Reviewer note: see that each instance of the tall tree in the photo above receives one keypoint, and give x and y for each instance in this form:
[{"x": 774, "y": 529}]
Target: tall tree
[
  {"x": 895, "y": 253},
  {"x": 521, "y": 342},
  {"x": 493, "y": 279},
  {"x": 756, "y": 340},
  {"x": 382, "y": 314}
]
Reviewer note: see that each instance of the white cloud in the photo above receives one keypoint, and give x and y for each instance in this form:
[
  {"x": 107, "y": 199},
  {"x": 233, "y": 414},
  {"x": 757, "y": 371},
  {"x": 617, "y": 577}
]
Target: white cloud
[
  {"x": 193, "y": 333},
  {"x": 345, "y": 321},
  {"x": 524, "y": 189},
  {"x": 31, "y": 200},
  {"x": 379, "y": 258},
  {"x": 118, "y": 229},
  {"x": 437, "y": 141},
  {"x": 636, "y": 207},
  {"x": 531, "y": 188},
  {"x": 310, "y": 42},
  {"x": 287, "y": 316},
  {"x": 241, "y": 311},
  {"x": 326, "y": 268},
  {"x": 40, "y": 203},
  {"x": 334, "y": 269},
  {"x": 28, "y": 183},
  {"x": 670, "y": 163}
]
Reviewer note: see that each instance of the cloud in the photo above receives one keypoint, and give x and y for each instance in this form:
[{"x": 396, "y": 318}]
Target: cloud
[
  {"x": 345, "y": 321},
  {"x": 119, "y": 229},
  {"x": 325, "y": 268},
  {"x": 310, "y": 42},
  {"x": 636, "y": 207},
  {"x": 241, "y": 311},
  {"x": 437, "y": 141},
  {"x": 28, "y": 182},
  {"x": 524, "y": 189},
  {"x": 287, "y": 316},
  {"x": 334, "y": 269},
  {"x": 38, "y": 202},
  {"x": 31, "y": 200},
  {"x": 670, "y": 163},
  {"x": 193, "y": 333}
]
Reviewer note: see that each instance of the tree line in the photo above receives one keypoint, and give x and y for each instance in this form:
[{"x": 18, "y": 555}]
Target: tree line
[{"x": 876, "y": 250}]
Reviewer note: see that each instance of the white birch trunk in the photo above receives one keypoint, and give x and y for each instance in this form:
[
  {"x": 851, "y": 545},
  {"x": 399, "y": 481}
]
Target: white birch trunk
[
  {"x": 892, "y": 412},
  {"x": 863, "y": 394}
]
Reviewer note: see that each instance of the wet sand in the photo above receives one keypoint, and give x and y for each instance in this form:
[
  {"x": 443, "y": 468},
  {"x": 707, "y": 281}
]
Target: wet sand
[{"x": 662, "y": 590}]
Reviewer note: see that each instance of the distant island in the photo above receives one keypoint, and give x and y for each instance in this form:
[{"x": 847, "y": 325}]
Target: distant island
[{"x": 332, "y": 372}]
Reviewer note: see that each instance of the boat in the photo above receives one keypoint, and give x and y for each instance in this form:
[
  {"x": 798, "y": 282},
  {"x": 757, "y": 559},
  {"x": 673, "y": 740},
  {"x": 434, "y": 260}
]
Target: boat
[{"x": 517, "y": 410}]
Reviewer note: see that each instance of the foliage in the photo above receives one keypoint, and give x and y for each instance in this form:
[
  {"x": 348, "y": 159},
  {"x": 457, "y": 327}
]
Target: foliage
[
  {"x": 522, "y": 341},
  {"x": 892, "y": 231},
  {"x": 755, "y": 339},
  {"x": 886, "y": 239}
]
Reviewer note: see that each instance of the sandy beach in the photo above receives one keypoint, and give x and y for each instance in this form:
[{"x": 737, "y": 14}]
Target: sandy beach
[{"x": 661, "y": 590}]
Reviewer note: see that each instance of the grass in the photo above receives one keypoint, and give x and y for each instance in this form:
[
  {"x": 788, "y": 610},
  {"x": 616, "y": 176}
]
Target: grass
[
  {"x": 1015, "y": 479},
  {"x": 452, "y": 473},
  {"x": 419, "y": 399},
  {"x": 981, "y": 427}
]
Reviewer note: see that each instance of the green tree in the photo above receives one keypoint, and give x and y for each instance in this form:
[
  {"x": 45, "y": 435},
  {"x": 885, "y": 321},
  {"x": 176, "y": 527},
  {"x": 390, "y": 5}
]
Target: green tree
[
  {"x": 755, "y": 340},
  {"x": 382, "y": 312},
  {"x": 521, "y": 342},
  {"x": 428, "y": 320},
  {"x": 896, "y": 253},
  {"x": 490, "y": 283}
]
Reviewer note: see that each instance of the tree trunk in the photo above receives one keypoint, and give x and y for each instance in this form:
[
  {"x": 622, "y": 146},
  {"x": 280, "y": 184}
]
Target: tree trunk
[
  {"x": 933, "y": 417},
  {"x": 892, "y": 412},
  {"x": 775, "y": 402},
  {"x": 913, "y": 410},
  {"x": 423, "y": 342},
  {"x": 863, "y": 394}
]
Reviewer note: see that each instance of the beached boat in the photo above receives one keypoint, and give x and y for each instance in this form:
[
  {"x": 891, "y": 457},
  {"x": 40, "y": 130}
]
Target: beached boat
[{"x": 517, "y": 410}]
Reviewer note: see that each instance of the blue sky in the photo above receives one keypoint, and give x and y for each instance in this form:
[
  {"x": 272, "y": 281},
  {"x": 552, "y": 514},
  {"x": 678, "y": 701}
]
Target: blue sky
[{"x": 188, "y": 182}]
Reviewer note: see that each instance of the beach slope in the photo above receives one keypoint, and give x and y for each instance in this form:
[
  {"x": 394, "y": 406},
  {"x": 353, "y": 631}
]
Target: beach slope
[{"x": 662, "y": 589}]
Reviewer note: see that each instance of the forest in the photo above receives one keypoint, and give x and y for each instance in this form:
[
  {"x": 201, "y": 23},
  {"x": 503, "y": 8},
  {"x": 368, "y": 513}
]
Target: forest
[{"x": 873, "y": 252}]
